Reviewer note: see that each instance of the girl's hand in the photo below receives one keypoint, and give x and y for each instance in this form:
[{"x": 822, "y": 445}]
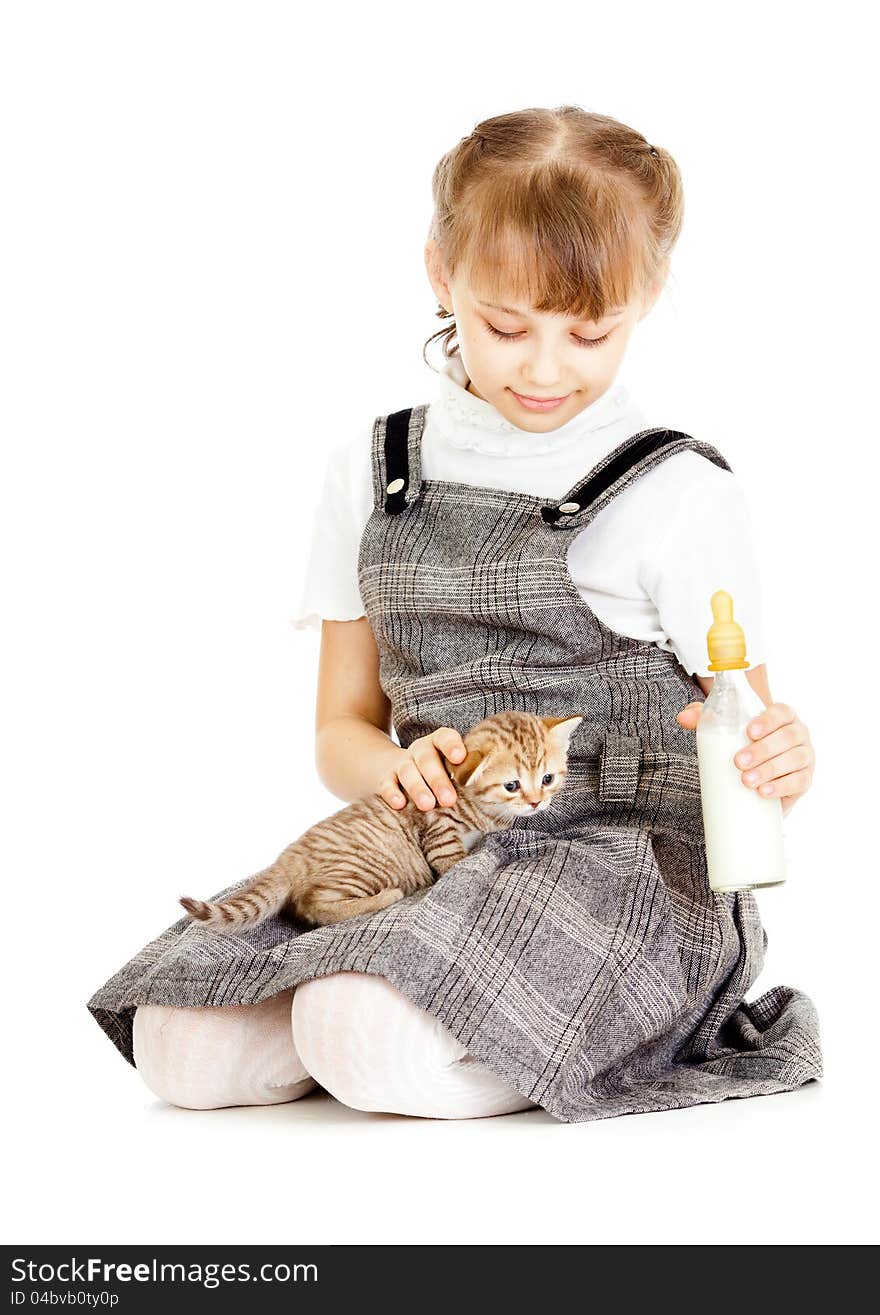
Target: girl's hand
[
  {"x": 778, "y": 757},
  {"x": 420, "y": 770}
]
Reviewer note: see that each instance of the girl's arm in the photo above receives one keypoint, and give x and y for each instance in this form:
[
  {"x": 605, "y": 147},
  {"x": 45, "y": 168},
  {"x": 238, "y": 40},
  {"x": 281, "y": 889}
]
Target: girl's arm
[
  {"x": 353, "y": 746},
  {"x": 782, "y": 755},
  {"x": 354, "y": 752}
]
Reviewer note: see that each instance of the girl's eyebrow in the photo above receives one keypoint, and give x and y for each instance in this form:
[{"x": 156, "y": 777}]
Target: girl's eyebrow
[{"x": 509, "y": 310}]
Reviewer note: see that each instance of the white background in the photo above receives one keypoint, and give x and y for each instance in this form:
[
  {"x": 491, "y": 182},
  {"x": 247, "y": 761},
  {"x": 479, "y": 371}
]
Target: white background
[{"x": 212, "y": 227}]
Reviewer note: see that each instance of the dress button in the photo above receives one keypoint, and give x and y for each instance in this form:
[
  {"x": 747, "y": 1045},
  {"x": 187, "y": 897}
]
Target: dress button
[
  {"x": 570, "y": 507},
  {"x": 395, "y": 486}
]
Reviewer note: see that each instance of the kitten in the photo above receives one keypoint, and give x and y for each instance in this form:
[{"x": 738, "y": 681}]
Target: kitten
[{"x": 369, "y": 855}]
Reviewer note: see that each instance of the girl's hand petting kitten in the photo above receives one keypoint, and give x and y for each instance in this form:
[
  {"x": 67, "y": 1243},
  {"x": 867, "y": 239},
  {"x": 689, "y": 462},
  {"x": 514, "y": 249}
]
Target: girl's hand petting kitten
[
  {"x": 779, "y": 760},
  {"x": 421, "y": 774}
]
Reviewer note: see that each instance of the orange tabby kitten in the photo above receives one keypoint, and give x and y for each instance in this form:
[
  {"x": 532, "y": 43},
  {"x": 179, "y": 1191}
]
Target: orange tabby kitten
[{"x": 369, "y": 855}]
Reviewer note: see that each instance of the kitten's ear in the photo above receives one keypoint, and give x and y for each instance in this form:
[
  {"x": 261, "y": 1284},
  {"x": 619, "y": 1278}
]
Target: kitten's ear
[
  {"x": 560, "y": 728},
  {"x": 464, "y": 773}
]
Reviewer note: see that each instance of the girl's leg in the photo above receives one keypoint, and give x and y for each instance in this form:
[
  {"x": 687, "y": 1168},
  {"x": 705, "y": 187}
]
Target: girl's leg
[
  {"x": 207, "y": 1058},
  {"x": 373, "y": 1049}
]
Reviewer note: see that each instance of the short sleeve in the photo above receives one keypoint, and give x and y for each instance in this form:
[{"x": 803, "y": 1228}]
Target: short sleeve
[
  {"x": 330, "y": 590},
  {"x": 706, "y": 542}
]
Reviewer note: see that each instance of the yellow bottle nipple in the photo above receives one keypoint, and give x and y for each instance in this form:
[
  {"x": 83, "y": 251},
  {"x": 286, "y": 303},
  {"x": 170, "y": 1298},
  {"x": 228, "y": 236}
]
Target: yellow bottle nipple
[{"x": 725, "y": 638}]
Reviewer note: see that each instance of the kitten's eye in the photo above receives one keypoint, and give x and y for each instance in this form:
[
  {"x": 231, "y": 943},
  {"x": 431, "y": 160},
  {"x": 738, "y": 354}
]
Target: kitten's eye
[
  {"x": 511, "y": 786},
  {"x": 547, "y": 779}
]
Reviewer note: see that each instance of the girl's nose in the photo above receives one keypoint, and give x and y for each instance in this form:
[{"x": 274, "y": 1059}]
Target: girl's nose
[
  {"x": 543, "y": 373},
  {"x": 542, "y": 383}
]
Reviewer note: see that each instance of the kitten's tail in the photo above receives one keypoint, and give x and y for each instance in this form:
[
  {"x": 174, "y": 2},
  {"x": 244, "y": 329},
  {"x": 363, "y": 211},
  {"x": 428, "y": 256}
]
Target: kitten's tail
[
  {"x": 254, "y": 903},
  {"x": 323, "y": 912}
]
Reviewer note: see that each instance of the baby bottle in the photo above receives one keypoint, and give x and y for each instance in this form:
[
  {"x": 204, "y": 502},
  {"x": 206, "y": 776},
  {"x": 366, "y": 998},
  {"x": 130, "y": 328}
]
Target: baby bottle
[{"x": 743, "y": 829}]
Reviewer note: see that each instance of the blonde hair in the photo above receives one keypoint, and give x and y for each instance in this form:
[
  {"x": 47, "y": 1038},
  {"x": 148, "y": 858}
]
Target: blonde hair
[{"x": 571, "y": 212}]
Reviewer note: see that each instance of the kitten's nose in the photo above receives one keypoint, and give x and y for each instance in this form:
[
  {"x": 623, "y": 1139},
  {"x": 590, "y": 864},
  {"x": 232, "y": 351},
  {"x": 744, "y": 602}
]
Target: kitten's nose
[{"x": 534, "y": 803}]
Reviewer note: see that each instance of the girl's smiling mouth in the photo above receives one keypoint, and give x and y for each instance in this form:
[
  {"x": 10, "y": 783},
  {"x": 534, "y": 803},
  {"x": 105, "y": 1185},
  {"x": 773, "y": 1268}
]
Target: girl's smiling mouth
[{"x": 540, "y": 403}]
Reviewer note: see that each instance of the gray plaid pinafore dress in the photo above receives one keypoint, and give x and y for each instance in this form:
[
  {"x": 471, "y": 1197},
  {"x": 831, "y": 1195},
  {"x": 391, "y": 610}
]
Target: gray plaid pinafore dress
[{"x": 579, "y": 954}]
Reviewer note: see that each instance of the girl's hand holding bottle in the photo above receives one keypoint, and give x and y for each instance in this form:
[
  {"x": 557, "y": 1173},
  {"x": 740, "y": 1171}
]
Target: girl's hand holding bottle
[
  {"x": 421, "y": 774},
  {"x": 777, "y": 759},
  {"x": 780, "y": 759}
]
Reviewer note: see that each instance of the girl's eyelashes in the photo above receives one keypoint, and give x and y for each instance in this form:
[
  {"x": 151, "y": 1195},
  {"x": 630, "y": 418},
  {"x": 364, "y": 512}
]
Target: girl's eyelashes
[{"x": 582, "y": 342}]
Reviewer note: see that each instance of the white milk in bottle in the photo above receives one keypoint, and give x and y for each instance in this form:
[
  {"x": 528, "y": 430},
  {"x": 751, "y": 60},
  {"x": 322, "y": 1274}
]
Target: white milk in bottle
[{"x": 743, "y": 829}]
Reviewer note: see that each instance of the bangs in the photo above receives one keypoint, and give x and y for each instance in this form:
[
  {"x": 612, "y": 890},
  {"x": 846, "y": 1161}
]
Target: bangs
[{"x": 553, "y": 240}]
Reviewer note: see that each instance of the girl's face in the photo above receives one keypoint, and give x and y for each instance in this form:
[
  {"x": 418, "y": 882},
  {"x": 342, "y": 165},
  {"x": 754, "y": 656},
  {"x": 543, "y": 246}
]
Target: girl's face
[{"x": 512, "y": 353}]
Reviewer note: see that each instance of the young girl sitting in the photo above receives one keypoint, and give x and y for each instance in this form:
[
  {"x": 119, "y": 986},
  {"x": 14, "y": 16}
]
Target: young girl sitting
[{"x": 526, "y": 541}]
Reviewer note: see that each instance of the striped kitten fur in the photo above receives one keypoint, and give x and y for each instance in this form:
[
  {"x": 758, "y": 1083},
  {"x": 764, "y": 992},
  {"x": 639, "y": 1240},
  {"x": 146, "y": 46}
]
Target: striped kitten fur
[{"x": 369, "y": 855}]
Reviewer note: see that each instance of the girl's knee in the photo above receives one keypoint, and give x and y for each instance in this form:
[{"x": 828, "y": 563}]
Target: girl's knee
[
  {"x": 211, "y": 1057},
  {"x": 373, "y": 1049}
]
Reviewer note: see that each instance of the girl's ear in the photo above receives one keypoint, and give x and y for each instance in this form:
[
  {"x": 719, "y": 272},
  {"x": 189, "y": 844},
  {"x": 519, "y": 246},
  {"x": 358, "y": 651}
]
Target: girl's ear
[
  {"x": 437, "y": 274},
  {"x": 465, "y": 772}
]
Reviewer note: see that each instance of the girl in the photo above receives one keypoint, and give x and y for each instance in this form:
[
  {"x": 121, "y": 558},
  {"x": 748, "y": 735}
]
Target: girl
[{"x": 525, "y": 541}]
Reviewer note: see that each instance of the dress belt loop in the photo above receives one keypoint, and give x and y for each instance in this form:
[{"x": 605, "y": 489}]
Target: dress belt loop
[{"x": 619, "y": 767}]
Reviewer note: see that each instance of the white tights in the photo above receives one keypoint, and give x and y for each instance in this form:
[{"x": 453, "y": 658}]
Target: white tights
[{"x": 354, "y": 1034}]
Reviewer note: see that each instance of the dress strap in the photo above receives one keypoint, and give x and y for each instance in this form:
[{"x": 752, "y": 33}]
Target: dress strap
[
  {"x": 618, "y": 470},
  {"x": 396, "y": 442}
]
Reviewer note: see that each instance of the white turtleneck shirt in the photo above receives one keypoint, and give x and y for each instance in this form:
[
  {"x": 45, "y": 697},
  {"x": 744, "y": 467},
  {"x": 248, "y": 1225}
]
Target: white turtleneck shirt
[{"x": 647, "y": 565}]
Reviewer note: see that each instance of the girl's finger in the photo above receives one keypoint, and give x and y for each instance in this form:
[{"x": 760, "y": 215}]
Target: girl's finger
[
  {"x": 414, "y": 783},
  {"x": 765, "y": 778},
  {"x": 450, "y": 742},
  {"x": 394, "y": 797},
  {"x": 438, "y": 779},
  {"x": 389, "y": 789},
  {"x": 793, "y": 783},
  {"x": 776, "y": 742},
  {"x": 773, "y": 716},
  {"x": 430, "y": 764}
]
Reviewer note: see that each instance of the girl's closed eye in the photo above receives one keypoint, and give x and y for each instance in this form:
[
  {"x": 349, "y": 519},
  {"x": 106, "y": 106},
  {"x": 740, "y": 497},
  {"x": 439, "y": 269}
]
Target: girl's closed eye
[{"x": 582, "y": 342}]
